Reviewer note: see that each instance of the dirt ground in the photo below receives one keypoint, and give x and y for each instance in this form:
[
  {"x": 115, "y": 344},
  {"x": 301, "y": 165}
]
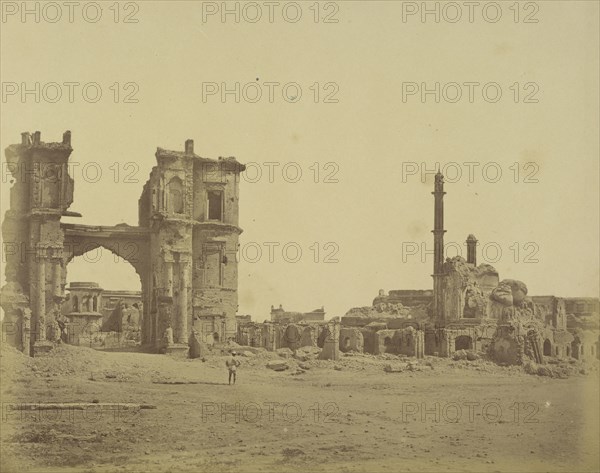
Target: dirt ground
[{"x": 343, "y": 416}]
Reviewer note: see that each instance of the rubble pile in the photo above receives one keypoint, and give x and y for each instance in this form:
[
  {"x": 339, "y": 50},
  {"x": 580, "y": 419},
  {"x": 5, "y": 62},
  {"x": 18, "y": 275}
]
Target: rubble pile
[
  {"x": 70, "y": 361},
  {"x": 560, "y": 369}
]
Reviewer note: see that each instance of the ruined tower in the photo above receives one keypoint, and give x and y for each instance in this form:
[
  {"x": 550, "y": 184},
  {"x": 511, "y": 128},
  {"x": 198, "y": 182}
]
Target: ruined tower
[
  {"x": 438, "y": 247},
  {"x": 191, "y": 204},
  {"x": 472, "y": 250},
  {"x": 41, "y": 194}
]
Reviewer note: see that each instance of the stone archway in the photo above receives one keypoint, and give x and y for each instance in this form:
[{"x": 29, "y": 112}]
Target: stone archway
[
  {"x": 131, "y": 244},
  {"x": 176, "y": 241},
  {"x": 107, "y": 318}
]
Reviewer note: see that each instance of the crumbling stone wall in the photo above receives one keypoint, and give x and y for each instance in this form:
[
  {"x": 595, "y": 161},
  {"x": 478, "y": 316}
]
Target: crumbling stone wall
[
  {"x": 552, "y": 310},
  {"x": 370, "y": 338},
  {"x": 273, "y": 336},
  {"x": 351, "y": 339},
  {"x": 270, "y": 336},
  {"x": 385, "y": 342},
  {"x": 124, "y": 319},
  {"x": 407, "y": 298},
  {"x": 410, "y": 342},
  {"x": 249, "y": 334},
  {"x": 585, "y": 345},
  {"x": 309, "y": 336}
]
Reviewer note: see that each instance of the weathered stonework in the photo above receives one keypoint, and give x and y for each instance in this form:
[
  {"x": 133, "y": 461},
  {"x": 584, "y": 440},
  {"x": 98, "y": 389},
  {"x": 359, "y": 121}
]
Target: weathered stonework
[
  {"x": 183, "y": 249},
  {"x": 471, "y": 309},
  {"x": 351, "y": 339}
]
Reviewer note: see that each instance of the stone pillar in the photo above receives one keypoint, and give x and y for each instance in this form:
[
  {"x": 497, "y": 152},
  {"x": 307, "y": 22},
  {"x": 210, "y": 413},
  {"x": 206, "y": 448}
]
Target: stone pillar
[
  {"x": 165, "y": 304},
  {"x": 40, "y": 303},
  {"x": 331, "y": 346},
  {"x": 419, "y": 344},
  {"x": 169, "y": 281},
  {"x": 268, "y": 337},
  {"x": 40, "y": 345},
  {"x": 25, "y": 321},
  {"x": 146, "y": 304},
  {"x": 57, "y": 278},
  {"x": 183, "y": 303}
]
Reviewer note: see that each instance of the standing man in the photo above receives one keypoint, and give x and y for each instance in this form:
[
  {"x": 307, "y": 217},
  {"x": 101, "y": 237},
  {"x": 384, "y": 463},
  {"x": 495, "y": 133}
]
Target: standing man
[{"x": 232, "y": 364}]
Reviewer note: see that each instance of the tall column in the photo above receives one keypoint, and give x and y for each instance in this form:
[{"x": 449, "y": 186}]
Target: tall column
[
  {"x": 40, "y": 306},
  {"x": 183, "y": 303},
  {"x": 438, "y": 247},
  {"x": 56, "y": 278},
  {"x": 169, "y": 282}
]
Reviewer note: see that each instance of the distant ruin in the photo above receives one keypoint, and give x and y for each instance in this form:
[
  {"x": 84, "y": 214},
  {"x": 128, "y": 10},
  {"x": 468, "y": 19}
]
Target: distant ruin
[
  {"x": 468, "y": 309},
  {"x": 281, "y": 316},
  {"x": 183, "y": 248}
]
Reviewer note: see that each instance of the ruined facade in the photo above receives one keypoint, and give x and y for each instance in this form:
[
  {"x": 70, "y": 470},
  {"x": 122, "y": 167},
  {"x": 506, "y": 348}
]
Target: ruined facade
[
  {"x": 274, "y": 335},
  {"x": 469, "y": 308},
  {"x": 183, "y": 248}
]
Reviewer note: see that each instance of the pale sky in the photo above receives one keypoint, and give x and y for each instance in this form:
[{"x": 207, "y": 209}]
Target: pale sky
[{"x": 371, "y": 135}]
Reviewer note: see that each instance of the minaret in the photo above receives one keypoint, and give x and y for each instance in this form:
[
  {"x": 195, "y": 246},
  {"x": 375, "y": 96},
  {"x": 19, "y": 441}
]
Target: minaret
[
  {"x": 438, "y": 248},
  {"x": 472, "y": 250}
]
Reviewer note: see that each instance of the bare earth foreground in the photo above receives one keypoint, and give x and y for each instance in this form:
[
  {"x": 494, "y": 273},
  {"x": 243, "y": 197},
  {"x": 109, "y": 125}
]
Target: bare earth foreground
[{"x": 344, "y": 416}]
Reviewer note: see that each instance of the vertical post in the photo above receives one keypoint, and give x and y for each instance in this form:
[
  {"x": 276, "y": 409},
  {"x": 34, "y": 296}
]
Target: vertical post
[
  {"x": 41, "y": 300},
  {"x": 472, "y": 250},
  {"x": 438, "y": 247},
  {"x": 169, "y": 282},
  {"x": 56, "y": 278},
  {"x": 183, "y": 302}
]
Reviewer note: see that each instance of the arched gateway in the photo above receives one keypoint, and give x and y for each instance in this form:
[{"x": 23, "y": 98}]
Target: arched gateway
[{"x": 188, "y": 223}]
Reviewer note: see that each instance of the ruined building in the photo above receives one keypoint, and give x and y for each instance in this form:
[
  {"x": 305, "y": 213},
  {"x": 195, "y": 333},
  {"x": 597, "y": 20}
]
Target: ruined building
[
  {"x": 469, "y": 308},
  {"x": 81, "y": 310},
  {"x": 182, "y": 249},
  {"x": 91, "y": 315},
  {"x": 283, "y": 316}
]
